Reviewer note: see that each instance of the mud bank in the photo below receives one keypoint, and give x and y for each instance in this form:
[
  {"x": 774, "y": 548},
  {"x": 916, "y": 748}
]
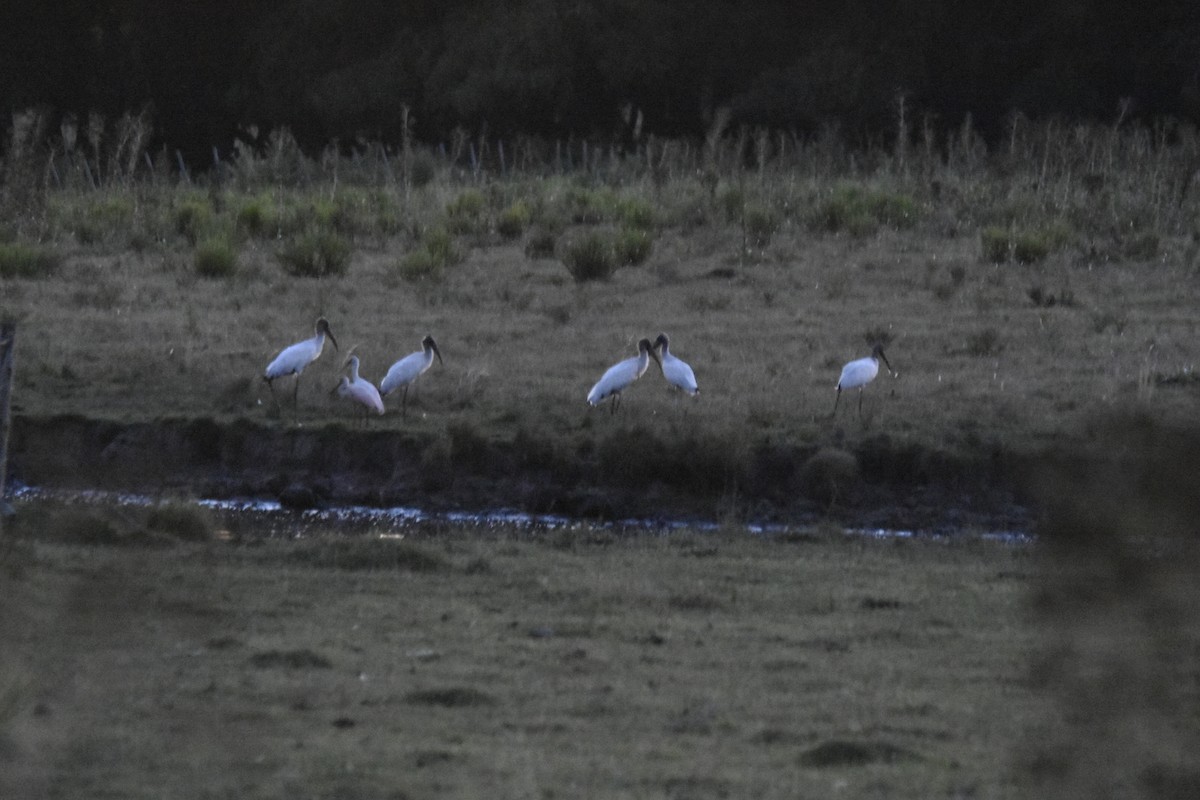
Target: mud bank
[{"x": 628, "y": 472}]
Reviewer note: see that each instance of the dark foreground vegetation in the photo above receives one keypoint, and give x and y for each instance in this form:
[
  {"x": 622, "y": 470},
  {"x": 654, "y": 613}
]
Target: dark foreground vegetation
[{"x": 609, "y": 70}]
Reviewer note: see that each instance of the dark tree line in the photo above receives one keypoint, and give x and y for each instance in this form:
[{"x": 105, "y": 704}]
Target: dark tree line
[{"x": 342, "y": 69}]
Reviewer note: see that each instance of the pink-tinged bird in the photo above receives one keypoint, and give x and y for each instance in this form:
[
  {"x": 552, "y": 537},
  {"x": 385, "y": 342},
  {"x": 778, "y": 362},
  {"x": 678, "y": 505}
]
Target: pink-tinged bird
[
  {"x": 293, "y": 359},
  {"x": 406, "y": 371},
  {"x": 858, "y": 373},
  {"x": 359, "y": 390},
  {"x": 621, "y": 375}
]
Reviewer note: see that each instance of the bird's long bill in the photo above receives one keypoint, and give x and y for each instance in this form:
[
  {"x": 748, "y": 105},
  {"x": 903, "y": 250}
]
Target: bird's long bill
[
  {"x": 329, "y": 333},
  {"x": 437, "y": 352},
  {"x": 336, "y": 386},
  {"x": 654, "y": 355},
  {"x": 885, "y": 361}
]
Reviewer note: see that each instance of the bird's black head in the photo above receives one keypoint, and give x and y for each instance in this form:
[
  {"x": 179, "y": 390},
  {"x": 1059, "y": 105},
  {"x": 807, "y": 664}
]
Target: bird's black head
[{"x": 430, "y": 344}]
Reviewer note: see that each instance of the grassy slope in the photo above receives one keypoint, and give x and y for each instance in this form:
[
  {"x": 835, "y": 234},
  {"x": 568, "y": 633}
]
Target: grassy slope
[
  {"x": 563, "y": 665},
  {"x": 135, "y": 336}
]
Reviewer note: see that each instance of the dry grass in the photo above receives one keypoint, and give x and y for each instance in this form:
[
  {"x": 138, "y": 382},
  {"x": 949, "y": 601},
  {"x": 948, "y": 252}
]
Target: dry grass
[
  {"x": 765, "y": 320},
  {"x": 563, "y": 664}
]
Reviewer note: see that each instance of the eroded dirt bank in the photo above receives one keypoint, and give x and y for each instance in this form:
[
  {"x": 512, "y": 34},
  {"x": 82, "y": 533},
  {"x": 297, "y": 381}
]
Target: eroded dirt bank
[{"x": 629, "y": 472}]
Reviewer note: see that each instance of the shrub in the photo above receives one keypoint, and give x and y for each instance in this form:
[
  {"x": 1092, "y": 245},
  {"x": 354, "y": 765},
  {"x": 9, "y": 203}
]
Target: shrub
[
  {"x": 514, "y": 220},
  {"x": 437, "y": 252},
  {"x": 584, "y": 206},
  {"x": 419, "y": 265},
  {"x": 541, "y": 244},
  {"x": 440, "y": 245},
  {"x": 1031, "y": 247},
  {"x": 590, "y": 258},
  {"x": 192, "y": 217},
  {"x": 760, "y": 226},
  {"x": 26, "y": 261},
  {"x": 465, "y": 212},
  {"x": 732, "y": 201},
  {"x": 995, "y": 244},
  {"x": 860, "y": 212},
  {"x": 255, "y": 216},
  {"x": 633, "y": 212},
  {"x": 316, "y": 254},
  {"x": 216, "y": 258},
  {"x": 632, "y": 246}
]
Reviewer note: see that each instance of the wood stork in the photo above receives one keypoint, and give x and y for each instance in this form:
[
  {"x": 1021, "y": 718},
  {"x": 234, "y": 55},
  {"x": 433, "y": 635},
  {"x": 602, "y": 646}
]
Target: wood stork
[
  {"x": 858, "y": 373},
  {"x": 293, "y": 359},
  {"x": 619, "y": 376},
  {"x": 359, "y": 390},
  {"x": 406, "y": 371},
  {"x": 677, "y": 371}
]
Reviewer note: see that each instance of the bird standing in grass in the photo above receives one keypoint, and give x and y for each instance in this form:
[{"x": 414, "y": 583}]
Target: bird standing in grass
[
  {"x": 619, "y": 376},
  {"x": 359, "y": 390},
  {"x": 677, "y": 371},
  {"x": 406, "y": 371},
  {"x": 293, "y": 359},
  {"x": 858, "y": 373}
]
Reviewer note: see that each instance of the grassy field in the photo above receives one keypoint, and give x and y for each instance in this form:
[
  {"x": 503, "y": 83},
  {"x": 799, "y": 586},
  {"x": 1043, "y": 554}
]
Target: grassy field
[
  {"x": 557, "y": 664},
  {"x": 1018, "y": 292},
  {"x": 1023, "y": 294}
]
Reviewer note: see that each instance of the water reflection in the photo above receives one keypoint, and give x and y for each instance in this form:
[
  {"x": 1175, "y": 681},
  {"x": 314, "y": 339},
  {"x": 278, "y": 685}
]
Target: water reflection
[{"x": 393, "y": 521}]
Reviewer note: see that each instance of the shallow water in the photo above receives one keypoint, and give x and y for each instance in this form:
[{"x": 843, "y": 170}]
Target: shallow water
[{"x": 271, "y": 516}]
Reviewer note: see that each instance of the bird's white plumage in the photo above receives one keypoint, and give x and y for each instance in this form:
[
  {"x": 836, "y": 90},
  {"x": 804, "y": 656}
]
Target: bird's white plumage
[
  {"x": 858, "y": 373},
  {"x": 409, "y": 368},
  {"x": 362, "y": 392},
  {"x": 677, "y": 371},
  {"x": 621, "y": 375},
  {"x": 406, "y": 371},
  {"x": 294, "y": 358}
]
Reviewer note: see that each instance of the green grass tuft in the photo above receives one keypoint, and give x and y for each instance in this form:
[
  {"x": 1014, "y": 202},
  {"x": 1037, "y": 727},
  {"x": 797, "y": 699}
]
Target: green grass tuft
[
  {"x": 216, "y": 257},
  {"x": 632, "y": 246},
  {"x": 590, "y": 258},
  {"x": 316, "y": 254},
  {"x": 514, "y": 220},
  {"x": 19, "y": 260}
]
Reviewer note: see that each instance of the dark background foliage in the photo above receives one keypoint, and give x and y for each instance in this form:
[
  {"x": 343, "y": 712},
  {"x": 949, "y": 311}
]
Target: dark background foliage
[{"x": 326, "y": 69}]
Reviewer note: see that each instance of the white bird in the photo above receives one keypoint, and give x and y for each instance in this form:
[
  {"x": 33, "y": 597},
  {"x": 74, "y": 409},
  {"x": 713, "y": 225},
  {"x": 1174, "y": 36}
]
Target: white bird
[
  {"x": 359, "y": 390},
  {"x": 406, "y": 371},
  {"x": 293, "y": 359},
  {"x": 677, "y": 371},
  {"x": 858, "y": 373},
  {"x": 619, "y": 376}
]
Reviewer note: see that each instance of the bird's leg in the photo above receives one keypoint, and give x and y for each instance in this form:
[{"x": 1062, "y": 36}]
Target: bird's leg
[
  {"x": 274, "y": 397},
  {"x": 860, "y": 394},
  {"x": 404, "y": 403},
  {"x": 836, "y": 398}
]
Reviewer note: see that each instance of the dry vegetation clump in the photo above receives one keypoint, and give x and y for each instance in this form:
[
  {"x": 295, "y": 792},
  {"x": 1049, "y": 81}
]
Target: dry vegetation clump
[
  {"x": 315, "y": 254},
  {"x": 20, "y": 260}
]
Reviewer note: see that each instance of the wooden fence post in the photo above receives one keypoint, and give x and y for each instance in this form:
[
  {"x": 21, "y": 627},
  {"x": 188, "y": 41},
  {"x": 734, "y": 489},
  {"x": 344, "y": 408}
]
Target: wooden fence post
[{"x": 8, "y": 345}]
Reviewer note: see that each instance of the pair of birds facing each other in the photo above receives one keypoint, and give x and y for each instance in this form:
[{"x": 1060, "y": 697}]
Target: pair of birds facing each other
[
  {"x": 620, "y": 376},
  {"x": 293, "y": 359}
]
